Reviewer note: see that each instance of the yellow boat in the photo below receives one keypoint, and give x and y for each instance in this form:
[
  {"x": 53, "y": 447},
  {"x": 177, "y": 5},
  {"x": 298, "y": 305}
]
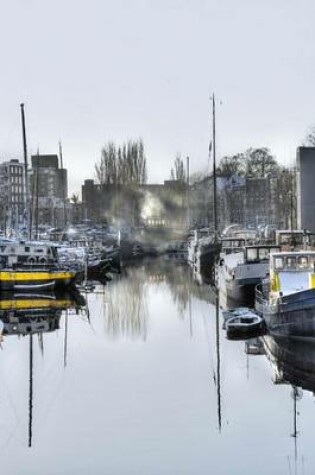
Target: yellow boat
[{"x": 32, "y": 265}]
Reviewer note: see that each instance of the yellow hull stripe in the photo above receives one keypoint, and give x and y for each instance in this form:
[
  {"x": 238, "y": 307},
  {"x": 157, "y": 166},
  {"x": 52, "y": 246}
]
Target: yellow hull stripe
[
  {"x": 35, "y": 303},
  {"x": 29, "y": 276}
]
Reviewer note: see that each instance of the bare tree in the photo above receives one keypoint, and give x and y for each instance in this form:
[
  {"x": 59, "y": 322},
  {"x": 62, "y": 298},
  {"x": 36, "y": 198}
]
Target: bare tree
[
  {"x": 178, "y": 171},
  {"x": 253, "y": 162},
  {"x": 309, "y": 140},
  {"x": 74, "y": 198},
  {"x": 124, "y": 165}
]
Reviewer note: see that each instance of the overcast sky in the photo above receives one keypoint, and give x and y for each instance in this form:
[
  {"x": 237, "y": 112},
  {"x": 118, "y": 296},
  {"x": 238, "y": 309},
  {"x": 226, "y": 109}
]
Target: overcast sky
[{"x": 98, "y": 70}]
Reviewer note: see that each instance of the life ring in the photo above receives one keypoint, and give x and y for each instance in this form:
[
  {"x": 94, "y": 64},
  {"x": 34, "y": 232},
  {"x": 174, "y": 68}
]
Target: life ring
[
  {"x": 31, "y": 260},
  {"x": 42, "y": 260}
]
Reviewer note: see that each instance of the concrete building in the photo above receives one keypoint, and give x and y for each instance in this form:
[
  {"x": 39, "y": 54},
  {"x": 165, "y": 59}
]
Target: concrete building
[
  {"x": 12, "y": 195},
  {"x": 48, "y": 190},
  {"x": 305, "y": 174}
]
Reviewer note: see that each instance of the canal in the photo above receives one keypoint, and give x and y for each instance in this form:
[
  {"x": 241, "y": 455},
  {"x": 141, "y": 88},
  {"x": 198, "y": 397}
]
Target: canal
[{"x": 141, "y": 379}]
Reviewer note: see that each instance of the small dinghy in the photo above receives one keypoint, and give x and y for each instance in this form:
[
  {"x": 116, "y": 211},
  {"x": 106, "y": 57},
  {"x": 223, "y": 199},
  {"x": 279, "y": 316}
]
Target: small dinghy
[
  {"x": 245, "y": 325},
  {"x": 235, "y": 312}
]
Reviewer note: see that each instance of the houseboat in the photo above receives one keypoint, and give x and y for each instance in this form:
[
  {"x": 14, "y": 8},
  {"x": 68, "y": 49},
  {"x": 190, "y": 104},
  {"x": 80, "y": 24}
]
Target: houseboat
[
  {"x": 287, "y": 299},
  {"x": 32, "y": 265},
  {"x": 241, "y": 267}
]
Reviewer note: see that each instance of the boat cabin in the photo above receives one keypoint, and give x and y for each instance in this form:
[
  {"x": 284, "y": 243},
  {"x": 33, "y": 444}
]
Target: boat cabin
[
  {"x": 295, "y": 239},
  {"x": 291, "y": 272},
  {"x": 259, "y": 253},
  {"x": 27, "y": 253}
]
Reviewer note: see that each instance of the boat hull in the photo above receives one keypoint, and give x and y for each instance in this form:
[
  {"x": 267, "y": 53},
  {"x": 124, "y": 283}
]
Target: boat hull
[
  {"x": 35, "y": 280},
  {"x": 294, "y": 315}
]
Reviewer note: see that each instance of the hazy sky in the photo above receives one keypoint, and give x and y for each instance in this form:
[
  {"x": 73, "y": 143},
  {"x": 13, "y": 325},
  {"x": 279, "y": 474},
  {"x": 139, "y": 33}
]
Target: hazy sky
[{"x": 98, "y": 70}]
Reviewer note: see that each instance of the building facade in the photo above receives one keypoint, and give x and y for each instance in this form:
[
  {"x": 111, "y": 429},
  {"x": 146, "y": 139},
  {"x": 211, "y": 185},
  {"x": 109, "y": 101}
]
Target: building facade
[
  {"x": 12, "y": 195},
  {"x": 48, "y": 191},
  {"x": 305, "y": 173}
]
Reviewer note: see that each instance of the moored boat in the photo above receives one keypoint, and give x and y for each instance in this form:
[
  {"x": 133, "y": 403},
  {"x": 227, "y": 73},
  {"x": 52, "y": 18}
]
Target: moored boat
[
  {"x": 287, "y": 299},
  {"x": 245, "y": 325},
  {"x": 32, "y": 265},
  {"x": 241, "y": 267}
]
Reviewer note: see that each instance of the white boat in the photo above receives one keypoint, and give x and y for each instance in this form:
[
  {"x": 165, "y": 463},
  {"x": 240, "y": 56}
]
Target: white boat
[{"x": 241, "y": 267}]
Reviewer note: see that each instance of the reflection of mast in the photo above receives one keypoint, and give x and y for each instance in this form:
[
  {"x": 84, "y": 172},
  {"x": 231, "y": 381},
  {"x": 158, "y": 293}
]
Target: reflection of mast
[
  {"x": 218, "y": 378},
  {"x": 295, "y": 396},
  {"x": 30, "y": 399},
  {"x": 65, "y": 346},
  {"x": 189, "y": 306}
]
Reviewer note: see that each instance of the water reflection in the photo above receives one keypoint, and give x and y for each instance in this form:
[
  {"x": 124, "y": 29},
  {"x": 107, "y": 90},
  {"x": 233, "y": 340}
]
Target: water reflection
[
  {"x": 181, "y": 401},
  {"x": 293, "y": 361},
  {"x": 293, "y": 364},
  {"x": 27, "y": 315},
  {"x": 126, "y": 312}
]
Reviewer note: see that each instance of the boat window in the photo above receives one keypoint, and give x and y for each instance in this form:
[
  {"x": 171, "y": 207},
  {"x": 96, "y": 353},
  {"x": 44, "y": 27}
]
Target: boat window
[
  {"x": 39, "y": 250},
  {"x": 252, "y": 254},
  {"x": 278, "y": 263},
  {"x": 263, "y": 254},
  {"x": 291, "y": 262},
  {"x": 27, "y": 249},
  {"x": 302, "y": 262}
]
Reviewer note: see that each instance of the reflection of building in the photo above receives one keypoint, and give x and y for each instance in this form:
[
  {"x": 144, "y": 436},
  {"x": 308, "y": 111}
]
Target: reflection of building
[
  {"x": 305, "y": 188},
  {"x": 12, "y": 193},
  {"x": 49, "y": 190},
  {"x": 152, "y": 205}
]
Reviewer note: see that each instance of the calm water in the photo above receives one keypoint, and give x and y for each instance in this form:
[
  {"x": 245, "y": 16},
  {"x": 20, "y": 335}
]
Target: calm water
[{"x": 140, "y": 381}]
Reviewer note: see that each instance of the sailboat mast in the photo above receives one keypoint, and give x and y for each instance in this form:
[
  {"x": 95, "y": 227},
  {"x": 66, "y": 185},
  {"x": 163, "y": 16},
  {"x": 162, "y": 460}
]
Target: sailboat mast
[
  {"x": 63, "y": 185},
  {"x": 26, "y": 197},
  {"x": 215, "y": 214},
  {"x": 188, "y": 204}
]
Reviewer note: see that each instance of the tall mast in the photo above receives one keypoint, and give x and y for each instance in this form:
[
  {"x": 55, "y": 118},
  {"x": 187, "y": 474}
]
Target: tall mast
[
  {"x": 63, "y": 186},
  {"x": 215, "y": 215},
  {"x": 188, "y": 204},
  {"x": 26, "y": 198},
  {"x": 36, "y": 201}
]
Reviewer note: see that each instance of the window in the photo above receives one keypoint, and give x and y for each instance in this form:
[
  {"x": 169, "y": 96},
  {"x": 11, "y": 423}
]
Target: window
[
  {"x": 303, "y": 262},
  {"x": 278, "y": 263},
  {"x": 291, "y": 262},
  {"x": 252, "y": 254},
  {"x": 263, "y": 254}
]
